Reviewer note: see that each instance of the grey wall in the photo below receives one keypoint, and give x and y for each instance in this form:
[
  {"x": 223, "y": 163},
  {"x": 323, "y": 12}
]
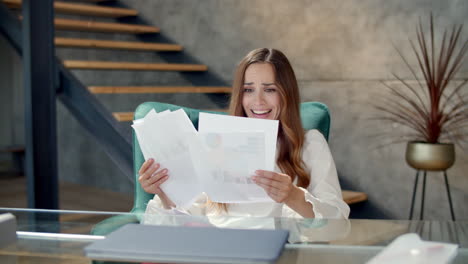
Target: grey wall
[{"x": 341, "y": 51}]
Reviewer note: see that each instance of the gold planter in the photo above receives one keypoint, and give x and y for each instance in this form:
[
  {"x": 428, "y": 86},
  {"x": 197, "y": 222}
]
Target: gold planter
[{"x": 430, "y": 157}]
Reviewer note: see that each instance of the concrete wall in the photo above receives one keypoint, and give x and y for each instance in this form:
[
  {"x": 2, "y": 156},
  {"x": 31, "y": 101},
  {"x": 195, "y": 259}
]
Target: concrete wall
[{"x": 340, "y": 50}]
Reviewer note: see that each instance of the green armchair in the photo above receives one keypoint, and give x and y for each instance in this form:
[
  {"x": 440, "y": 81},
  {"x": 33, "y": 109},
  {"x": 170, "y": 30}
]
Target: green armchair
[{"x": 314, "y": 115}]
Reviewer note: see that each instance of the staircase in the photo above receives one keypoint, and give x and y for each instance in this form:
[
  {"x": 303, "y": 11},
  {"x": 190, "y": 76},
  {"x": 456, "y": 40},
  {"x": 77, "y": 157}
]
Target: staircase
[{"x": 83, "y": 28}]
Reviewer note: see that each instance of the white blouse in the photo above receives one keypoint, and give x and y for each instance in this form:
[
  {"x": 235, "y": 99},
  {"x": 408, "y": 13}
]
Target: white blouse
[{"x": 323, "y": 192}]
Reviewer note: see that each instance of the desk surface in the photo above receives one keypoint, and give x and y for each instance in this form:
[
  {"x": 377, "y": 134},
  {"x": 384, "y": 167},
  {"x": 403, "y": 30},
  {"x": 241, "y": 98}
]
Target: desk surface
[{"x": 60, "y": 236}]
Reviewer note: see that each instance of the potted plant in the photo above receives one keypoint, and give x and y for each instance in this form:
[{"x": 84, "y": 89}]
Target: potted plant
[{"x": 435, "y": 109}]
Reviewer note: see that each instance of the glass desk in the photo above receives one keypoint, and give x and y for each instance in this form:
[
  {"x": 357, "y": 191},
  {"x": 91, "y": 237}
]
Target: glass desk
[{"x": 46, "y": 236}]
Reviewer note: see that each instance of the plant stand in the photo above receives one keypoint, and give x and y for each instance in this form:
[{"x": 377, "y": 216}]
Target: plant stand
[{"x": 447, "y": 187}]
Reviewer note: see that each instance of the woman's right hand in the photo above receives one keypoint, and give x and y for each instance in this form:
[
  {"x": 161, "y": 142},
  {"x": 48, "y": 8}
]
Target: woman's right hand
[{"x": 152, "y": 176}]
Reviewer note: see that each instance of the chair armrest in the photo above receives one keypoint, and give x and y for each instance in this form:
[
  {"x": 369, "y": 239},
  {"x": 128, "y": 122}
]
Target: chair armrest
[{"x": 112, "y": 223}]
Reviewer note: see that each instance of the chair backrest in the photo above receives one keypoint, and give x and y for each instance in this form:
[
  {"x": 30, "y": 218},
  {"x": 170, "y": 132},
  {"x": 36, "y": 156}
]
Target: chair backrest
[{"x": 314, "y": 115}]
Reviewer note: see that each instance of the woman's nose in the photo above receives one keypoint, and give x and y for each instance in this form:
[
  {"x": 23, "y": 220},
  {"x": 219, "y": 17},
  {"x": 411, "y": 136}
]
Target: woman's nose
[{"x": 259, "y": 98}]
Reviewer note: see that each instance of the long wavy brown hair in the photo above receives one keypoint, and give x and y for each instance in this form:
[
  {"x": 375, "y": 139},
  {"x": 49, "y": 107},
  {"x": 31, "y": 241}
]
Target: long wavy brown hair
[{"x": 291, "y": 132}]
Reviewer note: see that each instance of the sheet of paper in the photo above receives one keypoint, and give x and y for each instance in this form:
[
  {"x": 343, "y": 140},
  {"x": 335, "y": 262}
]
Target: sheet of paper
[
  {"x": 409, "y": 248},
  {"x": 137, "y": 127},
  {"x": 183, "y": 185},
  {"x": 222, "y": 123},
  {"x": 166, "y": 137},
  {"x": 225, "y": 163},
  {"x": 168, "y": 133}
]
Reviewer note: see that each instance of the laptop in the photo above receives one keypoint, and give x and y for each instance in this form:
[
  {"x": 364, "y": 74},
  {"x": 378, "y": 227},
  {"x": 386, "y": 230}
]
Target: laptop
[{"x": 149, "y": 243}]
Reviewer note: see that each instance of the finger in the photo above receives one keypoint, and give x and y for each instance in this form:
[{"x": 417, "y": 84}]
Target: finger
[
  {"x": 273, "y": 175},
  {"x": 148, "y": 177},
  {"x": 155, "y": 187},
  {"x": 274, "y": 193},
  {"x": 151, "y": 170},
  {"x": 161, "y": 181},
  {"x": 145, "y": 166},
  {"x": 146, "y": 174},
  {"x": 268, "y": 188},
  {"x": 157, "y": 175},
  {"x": 265, "y": 173},
  {"x": 270, "y": 182}
]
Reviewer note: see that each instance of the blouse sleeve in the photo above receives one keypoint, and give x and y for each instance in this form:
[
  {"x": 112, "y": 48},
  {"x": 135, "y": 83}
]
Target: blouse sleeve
[
  {"x": 155, "y": 209},
  {"x": 324, "y": 191}
]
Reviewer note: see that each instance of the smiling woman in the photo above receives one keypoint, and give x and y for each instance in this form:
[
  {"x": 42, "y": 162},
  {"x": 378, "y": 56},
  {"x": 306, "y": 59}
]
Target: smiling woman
[
  {"x": 304, "y": 182},
  {"x": 265, "y": 81},
  {"x": 260, "y": 98}
]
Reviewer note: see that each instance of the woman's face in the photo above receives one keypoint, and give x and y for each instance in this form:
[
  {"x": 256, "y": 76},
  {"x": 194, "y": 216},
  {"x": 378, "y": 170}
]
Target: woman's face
[{"x": 261, "y": 97}]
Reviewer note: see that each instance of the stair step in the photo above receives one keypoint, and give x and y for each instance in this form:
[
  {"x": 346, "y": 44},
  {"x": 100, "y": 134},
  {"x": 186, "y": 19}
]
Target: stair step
[
  {"x": 82, "y": 9},
  {"x": 157, "y": 89},
  {"x": 92, "y": 26},
  {"x": 123, "y": 116},
  {"x": 97, "y": 1},
  {"x": 128, "y": 116},
  {"x": 135, "y": 66},
  {"x": 351, "y": 197},
  {"x": 110, "y": 44},
  {"x": 81, "y": 25},
  {"x": 13, "y": 149}
]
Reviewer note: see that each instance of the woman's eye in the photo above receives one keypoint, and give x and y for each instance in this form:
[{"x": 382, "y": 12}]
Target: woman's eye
[
  {"x": 270, "y": 90},
  {"x": 248, "y": 90}
]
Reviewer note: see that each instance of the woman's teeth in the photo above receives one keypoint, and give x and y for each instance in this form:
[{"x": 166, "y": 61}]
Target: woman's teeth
[{"x": 261, "y": 112}]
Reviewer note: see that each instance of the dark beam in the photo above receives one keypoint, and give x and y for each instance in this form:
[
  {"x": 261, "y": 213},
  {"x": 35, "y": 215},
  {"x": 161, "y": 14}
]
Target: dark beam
[
  {"x": 90, "y": 113},
  {"x": 10, "y": 27},
  {"x": 97, "y": 120},
  {"x": 40, "y": 108}
]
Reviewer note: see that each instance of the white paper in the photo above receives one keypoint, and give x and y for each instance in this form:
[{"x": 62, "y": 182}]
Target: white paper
[
  {"x": 169, "y": 134},
  {"x": 183, "y": 185},
  {"x": 222, "y": 123},
  {"x": 166, "y": 137},
  {"x": 409, "y": 248},
  {"x": 219, "y": 160},
  {"x": 226, "y": 162}
]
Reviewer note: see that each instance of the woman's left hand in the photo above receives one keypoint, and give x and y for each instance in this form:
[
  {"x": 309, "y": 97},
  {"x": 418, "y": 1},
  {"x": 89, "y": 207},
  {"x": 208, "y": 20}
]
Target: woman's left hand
[{"x": 277, "y": 185}]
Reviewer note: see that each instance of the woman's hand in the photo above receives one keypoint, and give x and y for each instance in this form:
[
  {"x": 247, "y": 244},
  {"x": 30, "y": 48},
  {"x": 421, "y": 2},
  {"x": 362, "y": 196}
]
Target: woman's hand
[
  {"x": 151, "y": 177},
  {"x": 277, "y": 185}
]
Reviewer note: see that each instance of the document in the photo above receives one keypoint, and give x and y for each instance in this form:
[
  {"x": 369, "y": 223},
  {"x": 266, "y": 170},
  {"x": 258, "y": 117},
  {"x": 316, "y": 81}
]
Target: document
[
  {"x": 223, "y": 124},
  {"x": 227, "y": 161},
  {"x": 166, "y": 138},
  {"x": 409, "y": 248},
  {"x": 219, "y": 159}
]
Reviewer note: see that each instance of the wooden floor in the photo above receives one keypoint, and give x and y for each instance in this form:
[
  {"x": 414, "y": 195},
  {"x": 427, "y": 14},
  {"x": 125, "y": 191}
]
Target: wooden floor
[{"x": 71, "y": 196}]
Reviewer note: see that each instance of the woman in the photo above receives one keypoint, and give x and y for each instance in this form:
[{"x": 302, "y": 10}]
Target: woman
[{"x": 305, "y": 182}]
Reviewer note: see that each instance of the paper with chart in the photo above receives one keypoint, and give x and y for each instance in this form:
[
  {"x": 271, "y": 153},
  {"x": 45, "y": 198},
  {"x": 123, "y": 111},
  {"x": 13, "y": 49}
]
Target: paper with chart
[
  {"x": 248, "y": 144},
  {"x": 218, "y": 160},
  {"x": 226, "y": 162}
]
